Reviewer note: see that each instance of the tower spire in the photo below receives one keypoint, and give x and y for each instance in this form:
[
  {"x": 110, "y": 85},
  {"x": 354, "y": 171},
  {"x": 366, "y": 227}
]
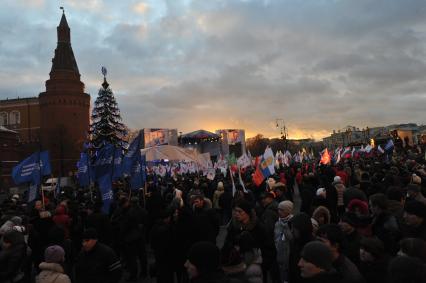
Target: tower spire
[{"x": 64, "y": 56}]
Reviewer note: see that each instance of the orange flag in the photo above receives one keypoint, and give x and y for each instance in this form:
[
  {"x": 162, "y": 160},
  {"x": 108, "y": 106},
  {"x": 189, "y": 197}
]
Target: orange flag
[{"x": 325, "y": 158}]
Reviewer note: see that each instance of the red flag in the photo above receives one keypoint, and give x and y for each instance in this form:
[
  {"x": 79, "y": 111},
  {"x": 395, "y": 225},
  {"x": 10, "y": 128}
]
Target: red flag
[
  {"x": 325, "y": 158},
  {"x": 258, "y": 177},
  {"x": 257, "y": 161}
]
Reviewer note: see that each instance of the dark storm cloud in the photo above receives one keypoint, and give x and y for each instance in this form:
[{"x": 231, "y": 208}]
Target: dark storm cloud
[{"x": 320, "y": 65}]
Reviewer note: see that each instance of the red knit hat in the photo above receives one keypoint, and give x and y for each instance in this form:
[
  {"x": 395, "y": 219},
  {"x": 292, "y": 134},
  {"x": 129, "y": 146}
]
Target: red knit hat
[{"x": 362, "y": 205}]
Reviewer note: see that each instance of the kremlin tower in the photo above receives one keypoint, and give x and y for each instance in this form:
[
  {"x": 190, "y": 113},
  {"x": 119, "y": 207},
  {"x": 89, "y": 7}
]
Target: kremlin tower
[{"x": 64, "y": 107}]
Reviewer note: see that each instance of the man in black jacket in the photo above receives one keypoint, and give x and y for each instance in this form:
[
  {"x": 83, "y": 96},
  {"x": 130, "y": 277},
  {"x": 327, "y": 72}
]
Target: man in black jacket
[
  {"x": 316, "y": 264},
  {"x": 333, "y": 237},
  {"x": 12, "y": 257},
  {"x": 97, "y": 263}
]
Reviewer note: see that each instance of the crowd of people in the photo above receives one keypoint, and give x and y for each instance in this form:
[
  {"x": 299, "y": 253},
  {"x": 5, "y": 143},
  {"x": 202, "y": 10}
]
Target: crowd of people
[{"x": 361, "y": 220}]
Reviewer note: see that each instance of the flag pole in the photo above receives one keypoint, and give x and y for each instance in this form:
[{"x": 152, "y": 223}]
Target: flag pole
[{"x": 41, "y": 179}]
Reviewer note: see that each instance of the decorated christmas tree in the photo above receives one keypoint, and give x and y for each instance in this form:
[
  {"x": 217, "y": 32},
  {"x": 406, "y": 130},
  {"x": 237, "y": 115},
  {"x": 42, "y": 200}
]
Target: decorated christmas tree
[{"x": 106, "y": 126}]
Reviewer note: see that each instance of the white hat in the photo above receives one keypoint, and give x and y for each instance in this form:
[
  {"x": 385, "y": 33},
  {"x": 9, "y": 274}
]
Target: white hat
[
  {"x": 286, "y": 205},
  {"x": 321, "y": 192},
  {"x": 337, "y": 180}
]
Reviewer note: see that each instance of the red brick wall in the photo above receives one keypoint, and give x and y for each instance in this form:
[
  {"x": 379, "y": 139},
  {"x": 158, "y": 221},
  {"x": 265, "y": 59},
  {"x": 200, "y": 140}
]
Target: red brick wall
[{"x": 29, "y": 126}]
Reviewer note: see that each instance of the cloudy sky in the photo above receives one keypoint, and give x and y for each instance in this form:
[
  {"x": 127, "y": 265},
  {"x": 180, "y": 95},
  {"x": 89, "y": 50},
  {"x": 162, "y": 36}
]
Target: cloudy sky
[{"x": 209, "y": 64}]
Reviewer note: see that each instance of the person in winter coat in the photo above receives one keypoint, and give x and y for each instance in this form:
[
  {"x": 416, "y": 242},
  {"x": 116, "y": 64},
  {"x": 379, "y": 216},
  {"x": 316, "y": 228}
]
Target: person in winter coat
[
  {"x": 269, "y": 212},
  {"x": 51, "y": 268},
  {"x": 97, "y": 263},
  {"x": 301, "y": 233},
  {"x": 333, "y": 237},
  {"x": 413, "y": 247},
  {"x": 374, "y": 261},
  {"x": 38, "y": 238},
  {"x": 406, "y": 269},
  {"x": 245, "y": 220},
  {"x": 414, "y": 193},
  {"x": 13, "y": 257},
  {"x": 268, "y": 216},
  {"x": 282, "y": 237},
  {"x": 384, "y": 225},
  {"x": 415, "y": 220},
  {"x": 322, "y": 215},
  {"x": 203, "y": 264},
  {"x": 242, "y": 262},
  {"x": 161, "y": 244},
  {"x": 9, "y": 224},
  {"x": 340, "y": 190},
  {"x": 348, "y": 223},
  {"x": 206, "y": 220},
  {"x": 316, "y": 264},
  {"x": 216, "y": 196},
  {"x": 62, "y": 219}
]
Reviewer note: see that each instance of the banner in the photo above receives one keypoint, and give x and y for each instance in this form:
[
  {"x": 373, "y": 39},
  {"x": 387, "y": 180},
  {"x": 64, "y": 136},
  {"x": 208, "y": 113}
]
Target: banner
[
  {"x": 131, "y": 155},
  {"x": 32, "y": 168},
  {"x": 118, "y": 165},
  {"x": 244, "y": 161},
  {"x": 153, "y": 137},
  {"x": 105, "y": 186},
  {"x": 83, "y": 170},
  {"x": 103, "y": 164},
  {"x": 32, "y": 193},
  {"x": 138, "y": 175},
  {"x": 234, "y": 136}
]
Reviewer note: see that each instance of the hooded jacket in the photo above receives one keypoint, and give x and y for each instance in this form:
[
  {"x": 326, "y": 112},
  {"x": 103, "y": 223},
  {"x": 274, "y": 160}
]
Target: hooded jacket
[{"x": 52, "y": 272}]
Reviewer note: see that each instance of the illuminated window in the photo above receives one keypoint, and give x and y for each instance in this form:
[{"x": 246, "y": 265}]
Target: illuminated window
[{"x": 3, "y": 118}]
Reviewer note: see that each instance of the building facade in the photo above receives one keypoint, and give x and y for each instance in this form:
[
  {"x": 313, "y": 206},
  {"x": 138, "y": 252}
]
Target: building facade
[
  {"x": 21, "y": 115},
  {"x": 58, "y": 119}
]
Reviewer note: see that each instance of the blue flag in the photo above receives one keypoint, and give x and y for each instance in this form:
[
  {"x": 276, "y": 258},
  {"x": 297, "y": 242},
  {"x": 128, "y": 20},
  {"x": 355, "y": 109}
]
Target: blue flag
[
  {"x": 105, "y": 186},
  {"x": 389, "y": 146},
  {"x": 103, "y": 164},
  {"x": 137, "y": 176},
  {"x": 32, "y": 168},
  {"x": 32, "y": 193},
  {"x": 131, "y": 155},
  {"x": 83, "y": 166},
  {"x": 118, "y": 164}
]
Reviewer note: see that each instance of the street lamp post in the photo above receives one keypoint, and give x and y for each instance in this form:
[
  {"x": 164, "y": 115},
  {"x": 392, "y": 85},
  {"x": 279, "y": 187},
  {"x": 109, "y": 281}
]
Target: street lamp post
[{"x": 283, "y": 131}]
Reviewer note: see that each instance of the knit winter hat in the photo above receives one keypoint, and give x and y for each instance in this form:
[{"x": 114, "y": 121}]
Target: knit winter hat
[
  {"x": 362, "y": 205},
  {"x": 337, "y": 180},
  {"x": 374, "y": 246},
  {"x": 318, "y": 254},
  {"x": 286, "y": 206},
  {"x": 205, "y": 256},
  {"x": 351, "y": 218},
  {"x": 416, "y": 208},
  {"x": 16, "y": 220},
  {"x": 245, "y": 205},
  {"x": 54, "y": 254}
]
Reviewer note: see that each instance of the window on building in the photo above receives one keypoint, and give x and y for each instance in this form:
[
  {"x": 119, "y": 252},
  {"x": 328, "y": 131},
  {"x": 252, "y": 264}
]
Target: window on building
[
  {"x": 14, "y": 118},
  {"x": 3, "y": 118}
]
